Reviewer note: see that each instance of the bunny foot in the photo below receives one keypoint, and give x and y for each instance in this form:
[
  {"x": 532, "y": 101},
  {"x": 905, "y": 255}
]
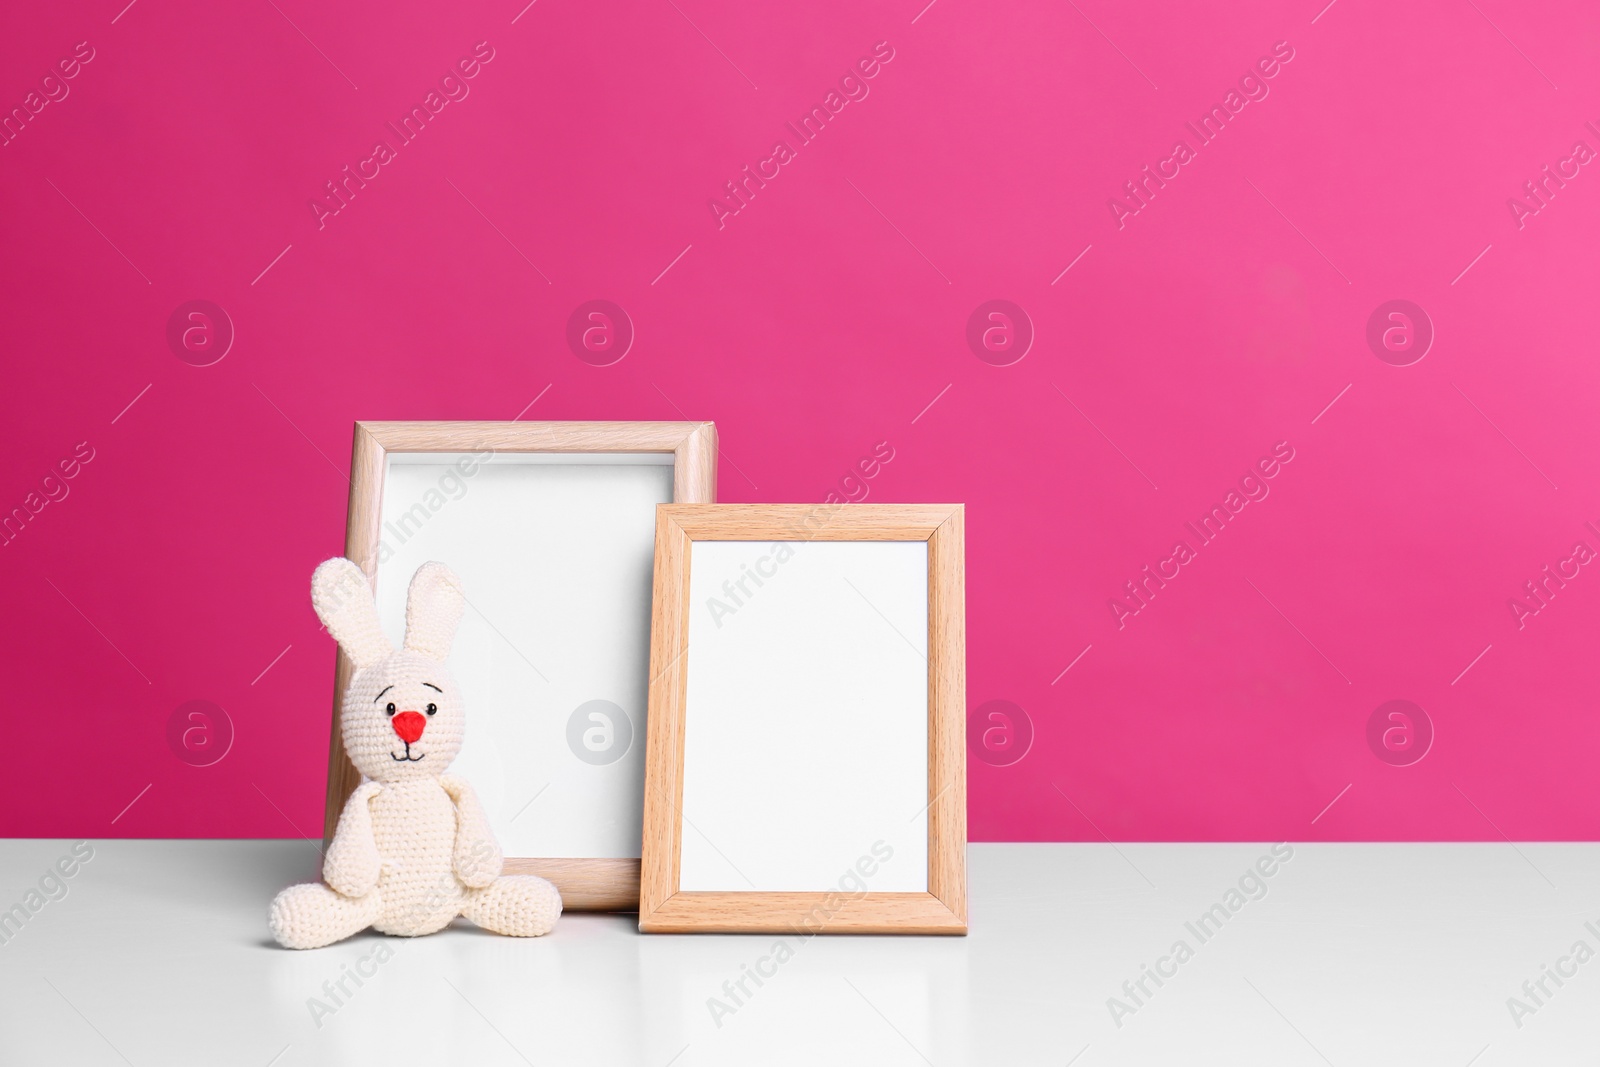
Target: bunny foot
[
  {"x": 311, "y": 915},
  {"x": 518, "y": 905}
]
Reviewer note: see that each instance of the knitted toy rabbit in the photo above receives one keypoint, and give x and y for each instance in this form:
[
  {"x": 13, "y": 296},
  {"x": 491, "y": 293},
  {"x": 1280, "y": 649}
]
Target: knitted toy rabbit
[{"x": 413, "y": 848}]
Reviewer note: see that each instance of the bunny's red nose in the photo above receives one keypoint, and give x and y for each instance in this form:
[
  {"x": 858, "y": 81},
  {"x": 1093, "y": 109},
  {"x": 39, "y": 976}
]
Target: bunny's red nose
[{"x": 409, "y": 725}]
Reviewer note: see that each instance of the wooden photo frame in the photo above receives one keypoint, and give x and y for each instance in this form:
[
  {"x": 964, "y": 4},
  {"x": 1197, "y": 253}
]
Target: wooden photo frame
[
  {"x": 551, "y": 527},
  {"x": 807, "y": 696}
]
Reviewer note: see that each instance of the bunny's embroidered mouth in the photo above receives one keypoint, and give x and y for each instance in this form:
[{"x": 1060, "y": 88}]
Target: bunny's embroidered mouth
[{"x": 408, "y": 757}]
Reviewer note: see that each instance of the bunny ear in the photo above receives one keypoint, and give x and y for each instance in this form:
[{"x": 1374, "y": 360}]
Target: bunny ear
[
  {"x": 343, "y": 599},
  {"x": 433, "y": 610}
]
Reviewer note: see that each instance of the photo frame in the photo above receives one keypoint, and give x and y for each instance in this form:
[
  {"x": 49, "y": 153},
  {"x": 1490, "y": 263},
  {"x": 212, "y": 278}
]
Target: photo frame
[
  {"x": 550, "y": 526},
  {"x": 806, "y": 766}
]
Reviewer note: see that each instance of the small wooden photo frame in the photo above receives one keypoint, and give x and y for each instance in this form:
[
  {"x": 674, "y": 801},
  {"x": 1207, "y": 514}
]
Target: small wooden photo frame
[
  {"x": 806, "y": 770},
  {"x": 551, "y": 528}
]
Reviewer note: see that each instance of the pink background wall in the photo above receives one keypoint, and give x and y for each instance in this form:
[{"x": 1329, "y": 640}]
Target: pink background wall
[{"x": 829, "y": 314}]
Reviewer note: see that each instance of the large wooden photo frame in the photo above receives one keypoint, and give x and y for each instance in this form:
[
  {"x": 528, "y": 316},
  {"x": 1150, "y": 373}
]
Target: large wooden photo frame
[
  {"x": 551, "y": 527},
  {"x": 807, "y": 696}
]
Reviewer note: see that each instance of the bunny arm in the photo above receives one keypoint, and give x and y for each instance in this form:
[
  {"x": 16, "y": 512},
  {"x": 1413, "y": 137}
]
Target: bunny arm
[
  {"x": 352, "y": 864},
  {"x": 477, "y": 859}
]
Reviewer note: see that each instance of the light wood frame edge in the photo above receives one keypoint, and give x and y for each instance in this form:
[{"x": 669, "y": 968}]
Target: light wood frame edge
[
  {"x": 941, "y": 910},
  {"x": 586, "y": 884}
]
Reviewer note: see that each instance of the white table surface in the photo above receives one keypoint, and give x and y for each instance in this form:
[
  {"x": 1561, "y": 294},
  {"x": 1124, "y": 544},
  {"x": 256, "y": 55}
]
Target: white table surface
[{"x": 1357, "y": 954}]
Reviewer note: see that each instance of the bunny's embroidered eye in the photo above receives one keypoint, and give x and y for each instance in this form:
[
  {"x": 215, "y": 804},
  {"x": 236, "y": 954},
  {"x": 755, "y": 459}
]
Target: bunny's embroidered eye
[
  {"x": 389, "y": 709},
  {"x": 432, "y": 709}
]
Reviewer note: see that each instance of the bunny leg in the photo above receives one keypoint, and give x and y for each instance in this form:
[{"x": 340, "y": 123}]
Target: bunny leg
[
  {"x": 519, "y": 905},
  {"x": 312, "y": 915}
]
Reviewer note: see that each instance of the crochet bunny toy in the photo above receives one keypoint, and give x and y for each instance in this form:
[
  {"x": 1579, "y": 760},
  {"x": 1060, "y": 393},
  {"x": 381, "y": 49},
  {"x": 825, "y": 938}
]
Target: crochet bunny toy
[{"x": 413, "y": 848}]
